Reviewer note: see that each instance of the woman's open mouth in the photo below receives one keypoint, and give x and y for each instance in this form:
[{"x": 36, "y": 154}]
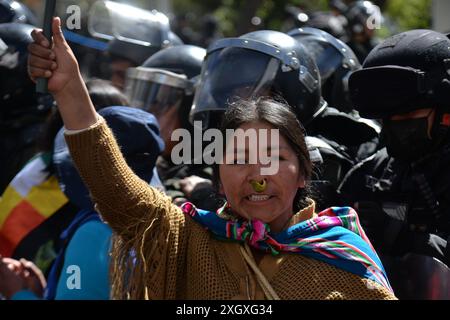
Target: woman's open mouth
[{"x": 258, "y": 197}]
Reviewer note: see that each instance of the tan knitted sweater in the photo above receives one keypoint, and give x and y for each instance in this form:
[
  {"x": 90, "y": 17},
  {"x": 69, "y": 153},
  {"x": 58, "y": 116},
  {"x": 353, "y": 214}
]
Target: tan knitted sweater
[{"x": 161, "y": 254}]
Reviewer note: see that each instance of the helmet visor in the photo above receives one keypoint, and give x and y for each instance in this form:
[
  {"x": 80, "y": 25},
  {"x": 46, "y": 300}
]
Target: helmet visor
[
  {"x": 233, "y": 73},
  {"x": 156, "y": 90},
  {"x": 380, "y": 92},
  {"x": 108, "y": 20},
  {"x": 328, "y": 59},
  {"x": 328, "y": 52}
]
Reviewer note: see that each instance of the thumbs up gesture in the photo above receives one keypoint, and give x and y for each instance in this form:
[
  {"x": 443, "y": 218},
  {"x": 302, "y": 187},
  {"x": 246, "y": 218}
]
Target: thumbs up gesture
[{"x": 57, "y": 63}]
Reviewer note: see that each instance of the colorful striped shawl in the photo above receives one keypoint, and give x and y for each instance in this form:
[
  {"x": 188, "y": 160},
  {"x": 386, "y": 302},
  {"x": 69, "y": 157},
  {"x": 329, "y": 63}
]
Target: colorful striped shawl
[{"x": 334, "y": 236}]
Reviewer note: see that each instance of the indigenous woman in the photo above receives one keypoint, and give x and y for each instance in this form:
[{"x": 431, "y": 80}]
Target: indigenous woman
[{"x": 266, "y": 242}]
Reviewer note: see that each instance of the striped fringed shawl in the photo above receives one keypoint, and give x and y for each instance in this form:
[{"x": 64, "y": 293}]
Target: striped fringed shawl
[{"x": 334, "y": 236}]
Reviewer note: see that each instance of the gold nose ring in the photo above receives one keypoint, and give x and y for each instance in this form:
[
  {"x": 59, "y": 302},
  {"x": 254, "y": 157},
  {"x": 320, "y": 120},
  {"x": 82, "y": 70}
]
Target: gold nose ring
[{"x": 259, "y": 186}]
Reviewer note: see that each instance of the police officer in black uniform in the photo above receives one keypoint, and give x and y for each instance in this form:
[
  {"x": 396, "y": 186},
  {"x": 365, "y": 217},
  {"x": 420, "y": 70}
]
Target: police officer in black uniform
[
  {"x": 164, "y": 85},
  {"x": 402, "y": 193},
  {"x": 273, "y": 63},
  {"x": 22, "y": 111}
]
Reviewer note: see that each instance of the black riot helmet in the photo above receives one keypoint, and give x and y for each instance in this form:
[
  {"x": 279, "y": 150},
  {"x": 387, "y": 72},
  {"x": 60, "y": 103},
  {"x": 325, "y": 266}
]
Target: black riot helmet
[
  {"x": 136, "y": 52},
  {"x": 136, "y": 33},
  {"x": 406, "y": 72},
  {"x": 16, "y": 89},
  {"x": 258, "y": 63},
  {"x": 360, "y": 14},
  {"x": 329, "y": 22},
  {"x": 14, "y": 11},
  {"x": 166, "y": 79},
  {"x": 336, "y": 61}
]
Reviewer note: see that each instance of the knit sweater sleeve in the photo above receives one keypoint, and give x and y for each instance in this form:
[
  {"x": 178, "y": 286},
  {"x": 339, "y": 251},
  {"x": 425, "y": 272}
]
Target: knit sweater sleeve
[
  {"x": 150, "y": 233},
  {"x": 125, "y": 202}
]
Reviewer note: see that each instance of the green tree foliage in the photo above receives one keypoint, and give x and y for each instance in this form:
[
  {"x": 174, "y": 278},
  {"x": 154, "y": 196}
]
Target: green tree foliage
[
  {"x": 235, "y": 16},
  {"x": 410, "y": 14}
]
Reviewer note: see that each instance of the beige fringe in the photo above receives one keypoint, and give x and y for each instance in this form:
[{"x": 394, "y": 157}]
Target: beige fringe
[{"x": 131, "y": 257}]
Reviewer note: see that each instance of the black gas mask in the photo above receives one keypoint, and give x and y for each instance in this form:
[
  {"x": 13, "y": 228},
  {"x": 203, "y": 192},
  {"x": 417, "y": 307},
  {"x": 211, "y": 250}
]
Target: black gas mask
[{"x": 407, "y": 139}]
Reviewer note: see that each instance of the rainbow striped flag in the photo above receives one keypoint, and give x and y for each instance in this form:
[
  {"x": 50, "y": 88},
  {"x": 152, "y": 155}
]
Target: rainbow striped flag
[{"x": 32, "y": 196}]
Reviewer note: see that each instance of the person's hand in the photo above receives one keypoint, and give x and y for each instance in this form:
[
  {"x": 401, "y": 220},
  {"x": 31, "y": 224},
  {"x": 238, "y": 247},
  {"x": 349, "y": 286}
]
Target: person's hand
[
  {"x": 189, "y": 184},
  {"x": 56, "y": 63},
  {"x": 13, "y": 264},
  {"x": 59, "y": 66},
  {"x": 11, "y": 281},
  {"x": 33, "y": 276},
  {"x": 20, "y": 275}
]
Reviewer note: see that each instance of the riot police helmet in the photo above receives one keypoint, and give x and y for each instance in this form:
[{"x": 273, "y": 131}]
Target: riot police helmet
[
  {"x": 15, "y": 85},
  {"x": 136, "y": 52},
  {"x": 142, "y": 35},
  {"x": 335, "y": 60},
  {"x": 406, "y": 72},
  {"x": 260, "y": 63},
  {"x": 360, "y": 14},
  {"x": 14, "y": 11},
  {"x": 166, "y": 79}
]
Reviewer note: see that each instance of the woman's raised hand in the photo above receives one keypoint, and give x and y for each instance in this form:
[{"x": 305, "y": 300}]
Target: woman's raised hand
[{"x": 58, "y": 64}]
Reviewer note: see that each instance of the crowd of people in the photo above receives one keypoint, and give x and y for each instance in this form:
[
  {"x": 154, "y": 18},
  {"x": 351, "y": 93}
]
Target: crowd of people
[{"x": 360, "y": 194}]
